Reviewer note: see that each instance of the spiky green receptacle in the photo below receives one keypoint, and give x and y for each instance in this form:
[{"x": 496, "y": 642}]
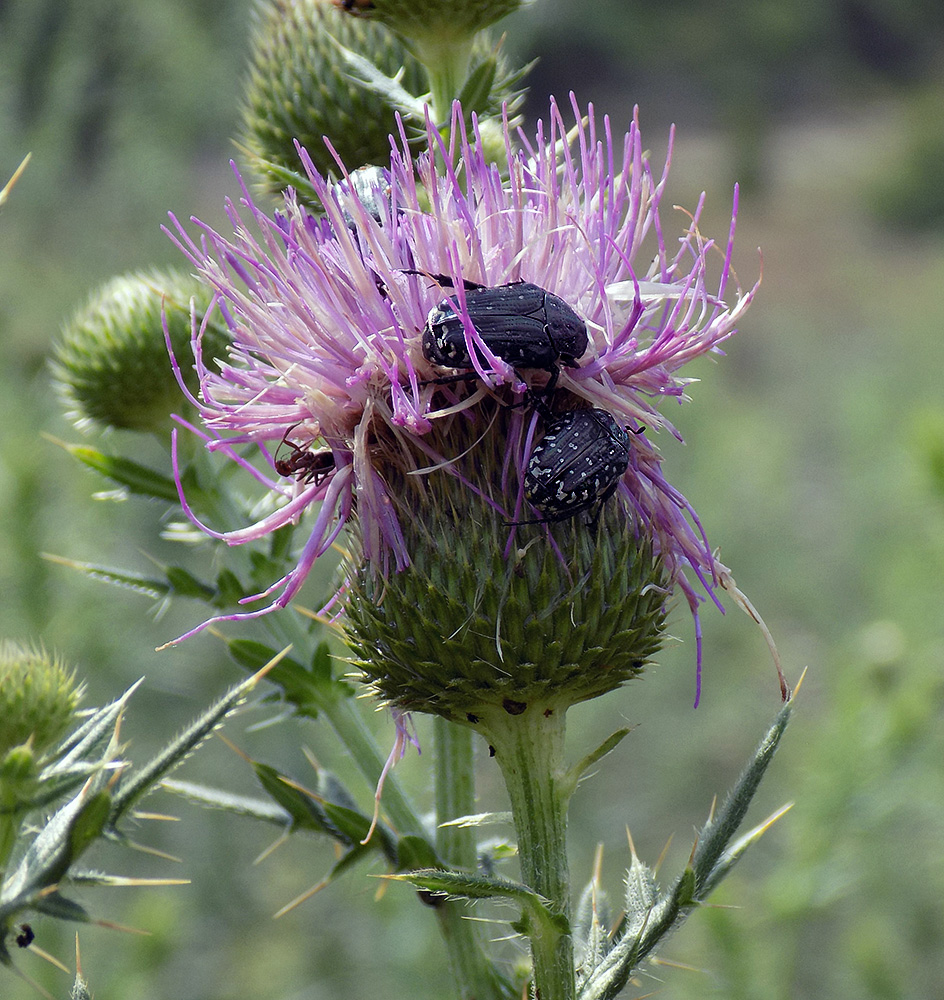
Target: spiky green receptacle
[
  {"x": 111, "y": 365},
  {"x": 575, "y": 609},
  {"x": 299, "y": 88},
  {"x": 302, "y": 86},
  {"x": 38, "y": 697},
  {"x": 421, "y": 18}
]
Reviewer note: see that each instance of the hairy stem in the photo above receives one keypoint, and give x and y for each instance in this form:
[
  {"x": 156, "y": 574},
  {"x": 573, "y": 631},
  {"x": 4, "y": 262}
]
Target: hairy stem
[{"x": 529, "y": 749}]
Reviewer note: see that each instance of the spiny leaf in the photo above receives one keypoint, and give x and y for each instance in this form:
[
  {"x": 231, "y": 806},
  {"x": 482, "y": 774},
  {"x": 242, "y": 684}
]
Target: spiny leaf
[
  {"x": 717, "y": 833},
  {"x": 364, "y": 72},
  {"x": 131, "y": 475},
  {"x": 581, "y": 767},
  {"x": 217, "y": 798},
  {"x": 468, "y": 886},
  {"x": 147, "y": 585},
  {"x": 309, "y": 690},
  {"x": 145, "y": 780}
]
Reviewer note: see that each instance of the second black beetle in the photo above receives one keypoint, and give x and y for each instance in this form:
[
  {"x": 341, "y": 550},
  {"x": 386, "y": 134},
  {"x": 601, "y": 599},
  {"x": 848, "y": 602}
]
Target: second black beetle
[
  {"x": 521, "y": 323},
  {"x": 578, "y": 463}
]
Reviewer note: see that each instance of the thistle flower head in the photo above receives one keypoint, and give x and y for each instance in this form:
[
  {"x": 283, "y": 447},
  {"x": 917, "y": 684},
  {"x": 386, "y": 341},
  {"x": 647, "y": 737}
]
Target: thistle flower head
[{"x": 328, "y": 317}]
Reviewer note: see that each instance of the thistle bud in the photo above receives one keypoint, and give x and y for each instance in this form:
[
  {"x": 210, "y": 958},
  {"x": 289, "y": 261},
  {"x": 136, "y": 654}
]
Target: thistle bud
[
  {"x": 299, "y": 88},
  {"x": 493, "y": 616},
  {"x": 38, "y": 699},
  {"x": 110, "y": 364},
  {"x": 449, "y": 20}
]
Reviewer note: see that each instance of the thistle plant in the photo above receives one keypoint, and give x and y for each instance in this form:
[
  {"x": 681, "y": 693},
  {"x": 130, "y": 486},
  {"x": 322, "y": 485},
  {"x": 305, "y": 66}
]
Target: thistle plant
[{"x": 448, "y": 355}]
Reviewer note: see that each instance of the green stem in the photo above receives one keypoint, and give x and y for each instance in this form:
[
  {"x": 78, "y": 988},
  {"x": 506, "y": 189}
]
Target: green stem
[
  {"x": 529, "y": 749},
  {"x": 9, "y": 827},
  {"x": 447, "y": 62},
  {"x": 455, "y": 792},
  {"x": 475, "y": 976},
  {"x": 348, "y": 724}
]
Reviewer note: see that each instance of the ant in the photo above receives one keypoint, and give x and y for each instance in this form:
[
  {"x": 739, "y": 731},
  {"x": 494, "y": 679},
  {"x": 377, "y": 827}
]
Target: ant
[{"x": 306, "y": 466}]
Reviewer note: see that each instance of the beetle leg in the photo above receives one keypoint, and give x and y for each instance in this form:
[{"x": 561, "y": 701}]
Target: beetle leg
[
  {"x": 444, "y": 279},
  {"x": 450, "y": 379}
]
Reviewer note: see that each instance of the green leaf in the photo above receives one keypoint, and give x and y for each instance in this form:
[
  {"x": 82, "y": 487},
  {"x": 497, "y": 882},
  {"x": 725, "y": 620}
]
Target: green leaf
[
  {"x": 93, "y": 736},
  {"x": 283, "y": 175},
  {"x": 356, "y": 825},
  {"x": 478, "y": 86},
  {"x": 469, "y": 886},
  {"x": 303, "y": 808},
  {"x": 580, "y": 768},
  {"x": 147, "y": 585},
  {"x": 90, "y": 822},
  {"x": 56, "y": 905},
  {"x": 711, "y": 860},
  {"x": 229, "y": 590},
  {"x": 364, "y": 72},
  {"x": 715, "y": 836},
  {"x": 253, "y": 656},
  {"x": 415, "y": 852},
  {"x": 57, "y": 846},
  {"x": 736, "y": 851},
  {"x": 310, "y": 691},
  {"x": 591, "y": 929},
  {"x": 133, "y": 476},
  {"x": 217, "y": 798},
  {"x": 145, "y": 780},
  {"x": 480, "y": 819},
  {"x": 184, "y": 584}
]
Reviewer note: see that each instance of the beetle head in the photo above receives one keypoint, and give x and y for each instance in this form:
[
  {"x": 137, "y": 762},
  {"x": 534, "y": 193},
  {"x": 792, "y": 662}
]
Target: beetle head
[{"x": 567, "y": 331}]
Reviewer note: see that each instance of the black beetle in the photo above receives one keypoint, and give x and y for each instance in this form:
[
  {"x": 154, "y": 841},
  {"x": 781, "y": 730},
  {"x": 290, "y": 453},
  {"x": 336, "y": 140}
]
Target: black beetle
[
  {"x": 521, "y": 323},
  {"x": 579, "y": 462},
  {"x": 25, "y": 937},
  {"x": 305, "y": 466}
]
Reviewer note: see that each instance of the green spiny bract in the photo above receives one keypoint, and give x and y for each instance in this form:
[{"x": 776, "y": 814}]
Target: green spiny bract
[{"x": 571, "y": 611}]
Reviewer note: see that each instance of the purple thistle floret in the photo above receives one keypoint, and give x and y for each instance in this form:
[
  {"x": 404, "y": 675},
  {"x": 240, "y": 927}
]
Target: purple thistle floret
[{"x": 327, "y": 315}]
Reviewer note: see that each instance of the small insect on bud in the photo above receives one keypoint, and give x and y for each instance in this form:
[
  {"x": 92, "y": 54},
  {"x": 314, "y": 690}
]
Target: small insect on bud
[
  {"x": 304, "y": 465},
  {"x": 359, "y": 8}
]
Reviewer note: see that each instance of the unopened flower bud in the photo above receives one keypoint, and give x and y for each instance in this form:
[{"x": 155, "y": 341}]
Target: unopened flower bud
[
  {"x": 38, "y": 698},
  {"x": 450, "y": 20},
  {"x": 111, "y": 364},
  {"x": 300, "y": 89}
]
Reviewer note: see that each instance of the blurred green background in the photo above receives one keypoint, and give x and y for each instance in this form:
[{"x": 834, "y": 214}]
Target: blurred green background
[{"x": 814, "y": 455}]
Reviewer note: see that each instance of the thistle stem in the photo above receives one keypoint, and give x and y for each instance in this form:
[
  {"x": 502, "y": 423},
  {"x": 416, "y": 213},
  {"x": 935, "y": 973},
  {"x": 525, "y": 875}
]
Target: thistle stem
[
  {"x": 447, "y": 62},
  {"x": 529, "y": 749},
  {"x": 455, "y": 792},
  {"x": 348, "y": 724},
  {"x": 475, "y": 976}
]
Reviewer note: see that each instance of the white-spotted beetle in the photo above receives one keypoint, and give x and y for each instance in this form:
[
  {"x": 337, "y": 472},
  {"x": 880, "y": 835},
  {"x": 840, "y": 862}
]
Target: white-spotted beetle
[
  {"x": 578, "y": 463},
  {"x": 521, "y": 323}
]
